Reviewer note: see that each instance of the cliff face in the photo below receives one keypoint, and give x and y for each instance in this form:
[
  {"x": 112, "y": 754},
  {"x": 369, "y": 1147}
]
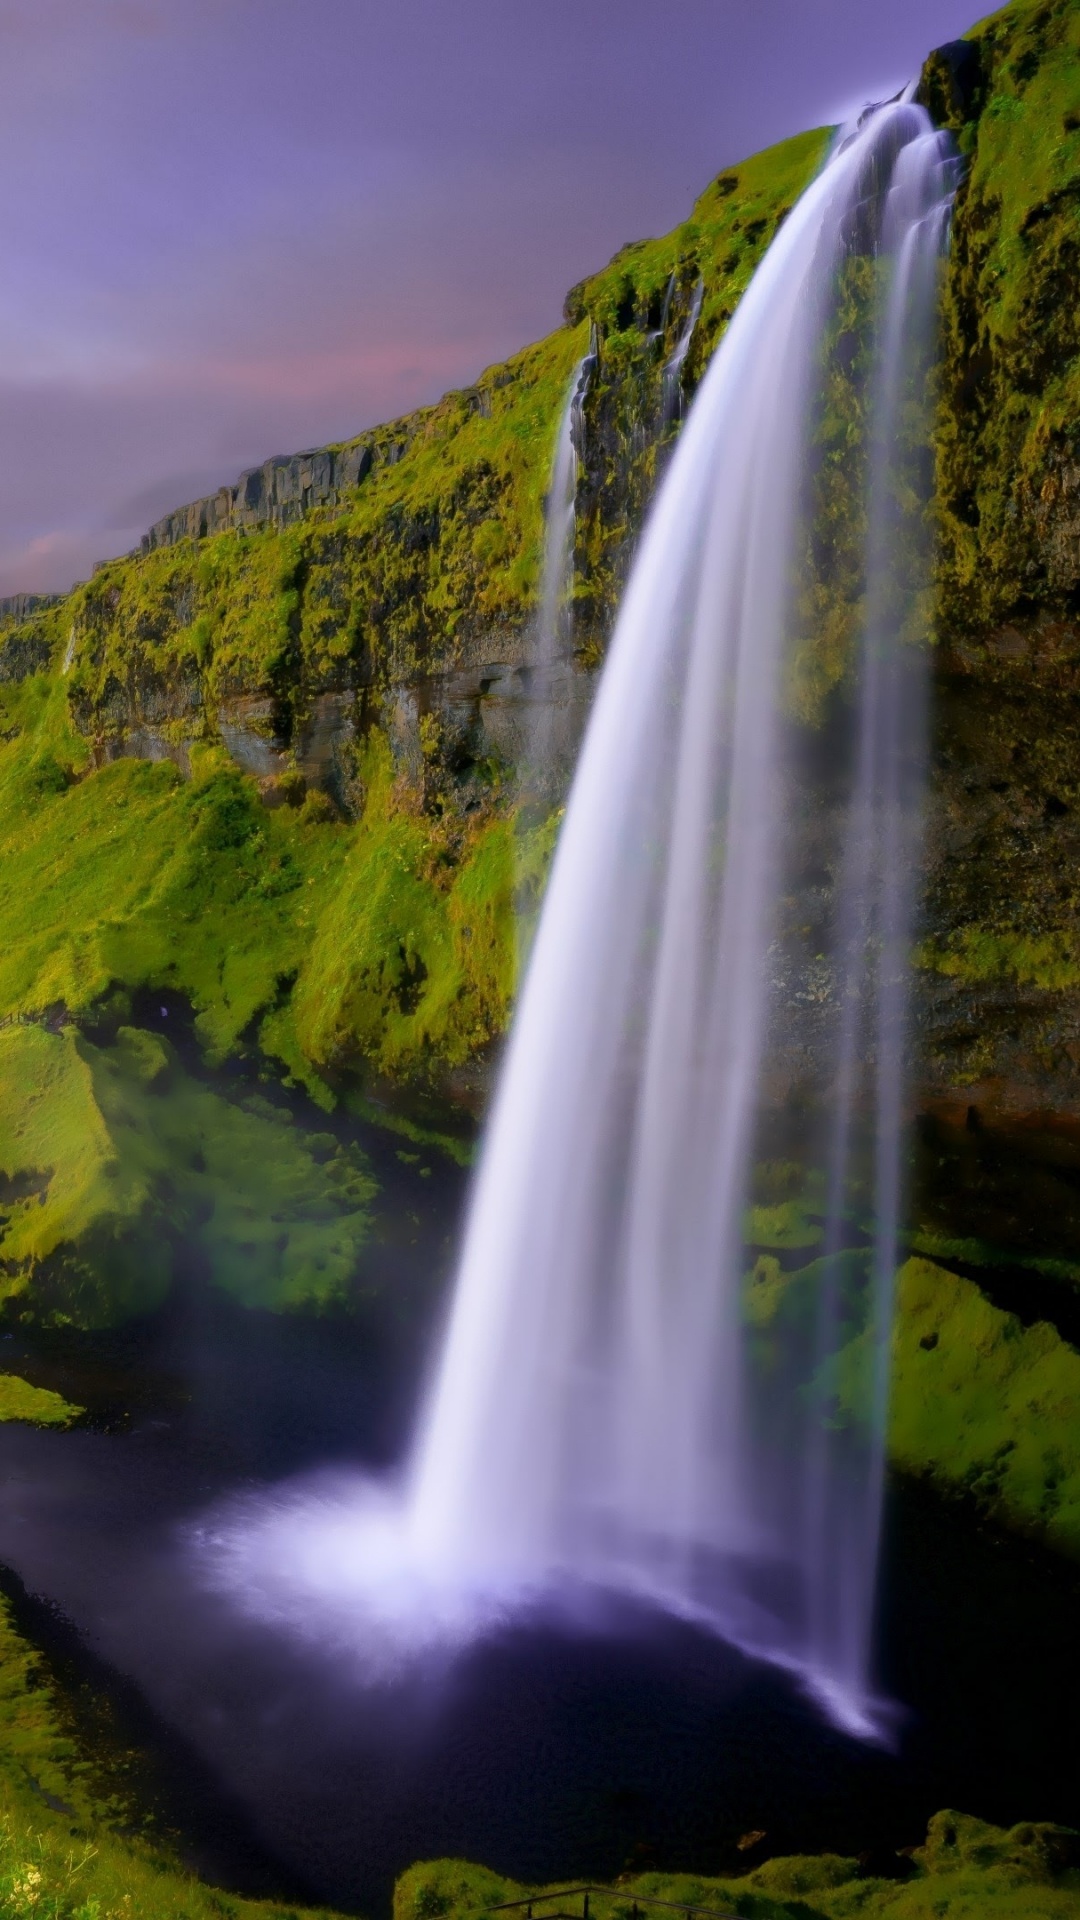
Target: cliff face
[
  {"x": 267, "y": 763},
  {"x": 345, "y": 665},
  {"x": 368, "y": 605},
  {"x": 277, "y": 494},
  {"x": 391, "y": 580}
]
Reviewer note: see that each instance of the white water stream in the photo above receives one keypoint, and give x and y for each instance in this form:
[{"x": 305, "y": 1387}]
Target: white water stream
[
  {"x": 554, "y": 623},
  {"x": 671, "y": 401},
  {"x": 613, "y": 1408}
]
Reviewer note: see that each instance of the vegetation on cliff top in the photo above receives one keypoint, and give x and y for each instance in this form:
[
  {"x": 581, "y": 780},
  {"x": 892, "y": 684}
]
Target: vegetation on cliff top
[{"x": 438, "y": 548}]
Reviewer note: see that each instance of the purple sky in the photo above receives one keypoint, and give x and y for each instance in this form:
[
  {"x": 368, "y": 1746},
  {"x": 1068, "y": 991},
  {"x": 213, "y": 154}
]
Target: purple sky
[{"x": 233, "y": 228}]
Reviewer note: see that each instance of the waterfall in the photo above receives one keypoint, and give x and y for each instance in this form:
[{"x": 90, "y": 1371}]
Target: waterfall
[
  {"x": 598, "y": 1411},
  {"x": 641, "y": 1387},
  {"x": 658, "y": 333},
  {"x": 671, "y": 393},
  {"x": 551, "y": 630}
]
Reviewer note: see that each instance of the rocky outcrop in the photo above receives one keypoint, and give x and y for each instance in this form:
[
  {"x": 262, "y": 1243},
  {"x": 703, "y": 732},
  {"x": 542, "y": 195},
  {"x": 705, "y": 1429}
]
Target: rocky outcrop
[
  {"x": 277, "y": 494},
  {"x": 24, "y": 650},
  {"x": 17, "y": 607}
]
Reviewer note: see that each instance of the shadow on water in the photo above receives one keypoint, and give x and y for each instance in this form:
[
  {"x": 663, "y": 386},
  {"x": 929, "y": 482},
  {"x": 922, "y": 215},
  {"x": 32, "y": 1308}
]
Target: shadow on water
[{"x": 178, "y": 1798}]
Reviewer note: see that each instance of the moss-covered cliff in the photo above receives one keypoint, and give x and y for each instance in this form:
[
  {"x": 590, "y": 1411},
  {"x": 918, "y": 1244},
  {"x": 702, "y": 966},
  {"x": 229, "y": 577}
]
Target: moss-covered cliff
[
  {"x": 352, "y": 627},
  {"x": 1001, "y": 1006},
  {"x": 264, "y": 769},
  {"x": 270, "y": 768}
]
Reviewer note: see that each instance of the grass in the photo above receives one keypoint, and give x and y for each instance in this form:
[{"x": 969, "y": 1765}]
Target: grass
[
  {"x": 128, "y": 876},
  {"x": 111, "y": 1155},
  {"x": 966, "y": 1870},
  {"x": 61, "y": 1854},
  {"x": 986, "y": 1407},
  {"x": 37, "y": 1405}
]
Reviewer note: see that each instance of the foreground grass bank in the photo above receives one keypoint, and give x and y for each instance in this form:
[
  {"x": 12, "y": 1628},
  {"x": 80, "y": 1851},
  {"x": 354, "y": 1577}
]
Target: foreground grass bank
[
  {"x": 966, "y": 1870},
  {"x": 68, "y": 1830}
]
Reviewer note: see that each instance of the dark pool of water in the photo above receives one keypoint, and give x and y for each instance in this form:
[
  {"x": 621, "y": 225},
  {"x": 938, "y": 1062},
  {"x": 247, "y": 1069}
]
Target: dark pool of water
[{"x": 549, "y": 1748}]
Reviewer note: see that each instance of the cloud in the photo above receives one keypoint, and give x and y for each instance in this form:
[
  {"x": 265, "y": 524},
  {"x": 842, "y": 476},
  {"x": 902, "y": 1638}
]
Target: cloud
[
  {"x": 48, "y": 564},
  {"x": 237, "y": 227}
]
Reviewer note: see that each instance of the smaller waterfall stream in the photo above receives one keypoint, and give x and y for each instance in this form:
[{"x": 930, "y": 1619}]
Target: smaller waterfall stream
[
  {"x": 553, "y": 625},
  {"x": 640, "y": 1388},
  {"x": 671, "y": 400}
]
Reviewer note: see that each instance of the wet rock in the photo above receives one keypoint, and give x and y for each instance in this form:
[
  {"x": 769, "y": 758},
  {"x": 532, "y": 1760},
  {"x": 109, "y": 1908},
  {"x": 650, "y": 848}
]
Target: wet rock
[{"x": 951, "y": 83}]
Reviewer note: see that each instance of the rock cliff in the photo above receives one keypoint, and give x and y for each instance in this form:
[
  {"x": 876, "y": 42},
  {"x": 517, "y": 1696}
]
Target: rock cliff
[
  {"x": 381, "y": 590},
  {"x": 277, "y": 494},
  {"x": 266, "y": 765}
]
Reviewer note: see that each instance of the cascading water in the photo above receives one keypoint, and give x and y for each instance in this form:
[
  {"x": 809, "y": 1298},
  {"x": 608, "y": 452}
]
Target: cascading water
[
  {"x": 671, "y": 393},
  {"x": 627, "y": 1398},
  {"x": 553, "y": 620},
  {"x": 669, "y": 294}
]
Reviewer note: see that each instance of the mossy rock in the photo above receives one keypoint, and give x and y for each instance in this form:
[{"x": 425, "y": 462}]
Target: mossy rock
[
  {"x": 966, "y": 1870},
  {"x": 37, "y": 1406}
]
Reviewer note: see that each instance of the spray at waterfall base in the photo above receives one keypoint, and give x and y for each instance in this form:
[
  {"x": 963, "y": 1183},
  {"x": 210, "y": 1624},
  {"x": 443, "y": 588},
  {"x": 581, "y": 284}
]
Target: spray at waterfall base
[{"x": 665, "y": 1371}]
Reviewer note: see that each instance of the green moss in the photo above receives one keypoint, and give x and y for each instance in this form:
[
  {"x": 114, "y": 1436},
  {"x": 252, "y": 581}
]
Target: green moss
[
  {"x": 975, "y": 955},
  {"x": 1007, "y": 485},
  {"x": 944, "y": 1247},
  {"x": 967, "y": 1870},
  {"x": 36, "y": 1405},
  {"x": 788, "y": 1199},
  {"x": 110, "y": 1155},
  {"x": 980, "y": 1404},
  {"x": 413, "y": 957},
  {"x": 390, "y": 941},
  {"x": 985, "y": 1406},
  {"x": 440, "y": 542},
  {"x": 61, "y": 1855}
]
